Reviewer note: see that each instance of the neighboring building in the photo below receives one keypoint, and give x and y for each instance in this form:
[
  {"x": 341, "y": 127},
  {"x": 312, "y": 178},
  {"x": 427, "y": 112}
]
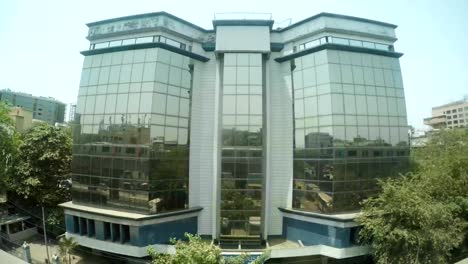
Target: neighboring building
[
  {"x": 22, "y": 118},
  {"x": 71, "y": 113},
  {"x": 251, "y": 136},
  {"x": 451, "y": 115},
  {"x": 15, "y": 228},
  {"x": 43, "y": 108}
]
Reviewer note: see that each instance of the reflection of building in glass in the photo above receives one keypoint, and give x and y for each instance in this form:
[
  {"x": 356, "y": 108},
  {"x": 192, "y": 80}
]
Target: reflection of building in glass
[
  {"x": 43, "y": 108},
  {"x": 243, "y": 134},
  {"x": 71, "y": 113}
]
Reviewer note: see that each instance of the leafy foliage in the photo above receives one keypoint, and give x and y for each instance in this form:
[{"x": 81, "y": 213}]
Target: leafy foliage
[
  {"x": 43, "y": 165},
  {"x": 9, "y": 141},
  {"x": 422, "y": 217},
  {"x": 197, "y": 251},
  {"x": 66, "y": 246}
]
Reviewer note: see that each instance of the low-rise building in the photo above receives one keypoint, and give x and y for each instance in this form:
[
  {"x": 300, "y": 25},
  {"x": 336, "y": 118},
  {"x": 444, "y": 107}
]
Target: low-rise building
[
  {"x": 451, "y": 115},
  {"x": 22, "y": 119}
]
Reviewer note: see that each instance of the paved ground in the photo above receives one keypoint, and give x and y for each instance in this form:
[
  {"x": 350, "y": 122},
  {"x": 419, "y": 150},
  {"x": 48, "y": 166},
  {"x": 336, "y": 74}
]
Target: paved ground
[
  {"x": 10, "y": 259},
  {"x": 39, "y": 255}
]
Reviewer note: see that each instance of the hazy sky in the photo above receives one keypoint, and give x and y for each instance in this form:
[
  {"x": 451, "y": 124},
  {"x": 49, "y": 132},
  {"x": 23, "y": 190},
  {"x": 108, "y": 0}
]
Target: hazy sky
[{"x": 40, "y": 40}]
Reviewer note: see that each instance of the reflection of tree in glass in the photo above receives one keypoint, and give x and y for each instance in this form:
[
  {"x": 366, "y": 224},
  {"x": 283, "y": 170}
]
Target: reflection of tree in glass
[{"x": 242, "y": 137}]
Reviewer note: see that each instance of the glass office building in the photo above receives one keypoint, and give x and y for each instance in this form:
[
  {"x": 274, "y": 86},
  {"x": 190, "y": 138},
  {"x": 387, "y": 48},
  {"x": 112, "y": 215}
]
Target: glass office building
[
  {"x": 46, "y": 109},
  {"x": 249, "y": 135}
]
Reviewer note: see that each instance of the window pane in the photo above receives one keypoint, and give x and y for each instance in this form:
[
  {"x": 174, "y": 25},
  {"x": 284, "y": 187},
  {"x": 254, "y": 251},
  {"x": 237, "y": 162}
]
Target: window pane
[
  {"x": 172, "y": 105},
  {"x": 159, "y": 103},
  {"x": 255, "y": 75},
  {"x": 242, "y": 75},
  {"x": 125, "y": 72},
  {"x": 162, "y": 72},
  {"x": 90, "y": 102},
  {"x": 133, "y": 103},
  {"x": 128, "y": 41},
  {"x": 122, "y": 103},
  {"x": 255, "y": 104},
  {"x": 242, "y": 104},
  {"x": 100, "y": 103},
  {"x": 110, "y": 103},
  {"x": 144, "y": 40},
  {"x": 184, "y": 107},
  {"x": 229, "y": 104}
]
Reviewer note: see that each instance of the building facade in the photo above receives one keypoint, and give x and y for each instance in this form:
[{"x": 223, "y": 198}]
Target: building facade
[
  {"x": 451, "y": 115},
  {"x": 43, "y": 108},
  {"x": 251, "y": 136},
  {"x": 21, "y": 118}
]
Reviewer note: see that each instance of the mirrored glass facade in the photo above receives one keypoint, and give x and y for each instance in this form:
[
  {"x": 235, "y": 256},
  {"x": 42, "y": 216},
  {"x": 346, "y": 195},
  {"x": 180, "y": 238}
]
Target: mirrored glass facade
[
  {"x": 131, "y": 139},
  {"x": 242, "y": 145},
  {"x": 235, "y": 132},
  {"x": 350, "y": 128}
]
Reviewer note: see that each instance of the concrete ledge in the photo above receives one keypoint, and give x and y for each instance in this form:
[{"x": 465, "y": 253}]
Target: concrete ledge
[
  {"x": 147, "y": 46},
  {"x": 118, "y": 248},
  {"x": 134, "y": 219},
  {"x": 332, "y": 46},
  {"x": 337, "y": 253},
  {"x": 337, "y": 220}
]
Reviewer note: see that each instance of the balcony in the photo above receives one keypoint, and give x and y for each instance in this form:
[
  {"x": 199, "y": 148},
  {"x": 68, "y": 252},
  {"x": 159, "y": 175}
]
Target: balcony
[{"x": 435, "y": 121}]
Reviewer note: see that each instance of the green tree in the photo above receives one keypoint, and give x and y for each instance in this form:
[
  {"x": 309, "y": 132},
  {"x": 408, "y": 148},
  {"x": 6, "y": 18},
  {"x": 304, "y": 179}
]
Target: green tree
[
  {"x": 66, "y": 246},
  {"x": 197, "y": 251},
  {"x": 422, "y": 216},
  {"x": 9, "y": 141},
  {"x": 43, "y": 165}
]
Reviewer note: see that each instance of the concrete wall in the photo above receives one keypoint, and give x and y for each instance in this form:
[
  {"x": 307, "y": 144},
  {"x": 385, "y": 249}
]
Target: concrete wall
[
  {"x": 243, "y": 38},
  {"x": 204, "y": 142},
  {"x": 279, "y": 169},
  {"x": 138, "y": 24},
  {"x": 332, "y": 24}
]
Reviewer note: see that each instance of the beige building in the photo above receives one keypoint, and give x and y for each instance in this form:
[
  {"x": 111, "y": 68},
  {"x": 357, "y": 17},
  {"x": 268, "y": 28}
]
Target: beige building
[
  {"x": 22, "y": 118},
  {"x": 450, "y": 115}
]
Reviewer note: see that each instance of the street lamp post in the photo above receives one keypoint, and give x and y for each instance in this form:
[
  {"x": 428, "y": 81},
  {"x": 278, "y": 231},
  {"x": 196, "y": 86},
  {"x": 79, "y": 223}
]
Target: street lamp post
[{"x": 45, "y": 234}]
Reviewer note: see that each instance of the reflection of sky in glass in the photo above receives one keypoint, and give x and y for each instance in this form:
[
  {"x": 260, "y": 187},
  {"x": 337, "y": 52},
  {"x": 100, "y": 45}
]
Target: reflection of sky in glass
[{"x": 347, "y": 127}]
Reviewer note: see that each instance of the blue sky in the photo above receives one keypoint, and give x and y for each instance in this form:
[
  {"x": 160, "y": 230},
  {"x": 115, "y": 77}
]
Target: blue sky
[{"x": 40, "y": 40}]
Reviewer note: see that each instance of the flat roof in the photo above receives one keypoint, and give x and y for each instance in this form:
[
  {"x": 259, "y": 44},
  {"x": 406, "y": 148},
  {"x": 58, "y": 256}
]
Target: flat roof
[
  {"x": 153, "y": 14},
  {"x": 10, "y": 219},
  {"x": 162, "y": 13},
  {"x": 44, "y": 98},
  {"x": 451, "y": 104},
  {"x": 123, "y": 214},
  {"x": 325, "y": 14}
]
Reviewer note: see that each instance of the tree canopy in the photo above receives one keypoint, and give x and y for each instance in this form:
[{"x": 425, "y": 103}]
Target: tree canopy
[
  {"x": 9, "y": 141},
  {"x": 42, "y": 165},
  {"x": 422, "y": 216},
  {"x": 66, "y": 246},
  {"x": 197, "y": 251}
]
